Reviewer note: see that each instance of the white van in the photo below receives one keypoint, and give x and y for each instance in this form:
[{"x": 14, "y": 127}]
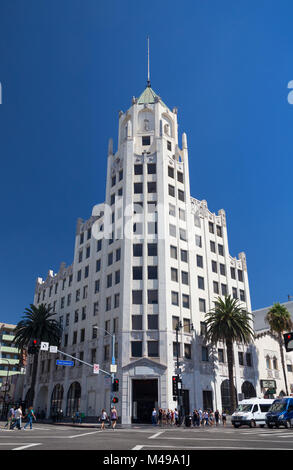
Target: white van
[{"x": 251, "y": 412}]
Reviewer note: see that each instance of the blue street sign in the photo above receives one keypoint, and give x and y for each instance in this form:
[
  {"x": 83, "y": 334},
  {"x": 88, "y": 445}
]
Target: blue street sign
[
  {"x": 64, "y": 363},
  {"x": 113, "y": 360}
]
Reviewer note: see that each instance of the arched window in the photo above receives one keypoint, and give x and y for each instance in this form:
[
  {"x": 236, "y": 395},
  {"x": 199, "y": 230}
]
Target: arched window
[
  {"x": 56, "y": 398},
  {"x": 73, "y": 398},
  {"x": 248, "y": 390}
]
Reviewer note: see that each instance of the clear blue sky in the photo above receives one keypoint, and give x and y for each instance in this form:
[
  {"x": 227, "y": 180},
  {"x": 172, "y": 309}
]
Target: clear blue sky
[{"x": 67, "y": 68}]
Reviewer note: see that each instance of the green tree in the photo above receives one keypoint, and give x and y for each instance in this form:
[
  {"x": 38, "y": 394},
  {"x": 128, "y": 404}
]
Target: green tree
[
  {"x": 279, "y": 320},
  {"x": 229, "y": 322},
  {"x": 37, "y": 323}
]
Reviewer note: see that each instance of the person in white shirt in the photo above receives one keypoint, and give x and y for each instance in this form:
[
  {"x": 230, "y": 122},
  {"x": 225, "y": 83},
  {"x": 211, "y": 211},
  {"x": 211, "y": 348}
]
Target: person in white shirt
[{"x": 17, "y": 415}]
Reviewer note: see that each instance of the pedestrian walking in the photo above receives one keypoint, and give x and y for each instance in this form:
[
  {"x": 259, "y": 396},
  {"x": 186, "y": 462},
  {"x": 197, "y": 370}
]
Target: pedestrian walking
[
  {"x": 205, "y": 418},
  {"x": 10, "y": 418},
  {"x": 30, "y": 416},
  {"x": 17, "y": 416},
  {"x": 154, "y": 417},
  {"x": 160, "y": 416},
  {"x": 114, "y": 417},
  {"x": 217, "y": 417},
  {"x": 224, "y": 418},
  {"x": 200, "y": 416},
  {"x": 176, "y": 417},
  {"x": 103, "y": 418}
]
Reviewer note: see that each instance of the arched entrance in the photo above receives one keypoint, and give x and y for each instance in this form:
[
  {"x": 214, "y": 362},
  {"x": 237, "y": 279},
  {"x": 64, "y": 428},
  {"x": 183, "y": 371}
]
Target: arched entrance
[
  {"x": 73, "y": 398},
  {"x": 225, "y": 396},
  {"x": 41, "y": 401},
  {"x": 248, "y": 390}
]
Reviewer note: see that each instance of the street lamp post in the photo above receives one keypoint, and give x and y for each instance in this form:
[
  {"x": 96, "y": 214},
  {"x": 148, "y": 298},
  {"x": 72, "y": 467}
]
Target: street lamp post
[
  {"x": 113, "y": 358},
  {"x": 4, "y": 398}
]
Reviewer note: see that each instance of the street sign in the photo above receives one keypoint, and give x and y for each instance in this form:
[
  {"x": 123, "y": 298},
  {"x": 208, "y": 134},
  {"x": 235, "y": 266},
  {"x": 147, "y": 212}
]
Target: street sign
[
  {"x": 53, "y": 349},
  {"x": 44, "y": 346},
  {"x": 64, "y": 363},
  {"x": 113, "y": 368},
  {"x": 96, "y": 369}
]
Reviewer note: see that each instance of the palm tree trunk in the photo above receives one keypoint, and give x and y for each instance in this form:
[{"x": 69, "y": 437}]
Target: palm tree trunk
[
  {"x": 33, "y": 381},
  {"x": 229, "y": 346},
  {"x": 283, "y": 362}
]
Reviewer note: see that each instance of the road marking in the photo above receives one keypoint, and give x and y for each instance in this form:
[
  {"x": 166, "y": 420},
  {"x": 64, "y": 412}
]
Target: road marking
[
  {"x": 156, "y": 435},
  {"x": 137, "y": 447},
  {"x": 26, "y": 446},
  {"x": 216, "y": 448},
  {"x": 85, "y": 434}
]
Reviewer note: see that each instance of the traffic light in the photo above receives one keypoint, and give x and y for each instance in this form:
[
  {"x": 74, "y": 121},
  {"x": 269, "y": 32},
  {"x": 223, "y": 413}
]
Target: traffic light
[
  {"x": 175, "y": 385},
  {"x": 115, "y": 400},
  {"x": 115, "y": 385},
  {"x": 288, "y": 339},
  {"x": 33, "y": 346}
]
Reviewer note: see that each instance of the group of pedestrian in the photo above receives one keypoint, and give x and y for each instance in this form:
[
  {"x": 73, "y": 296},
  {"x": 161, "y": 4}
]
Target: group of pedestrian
[
  {"x": 165, "y": 418},
  {"x": 104, "y": 418},
  {"x": 208, "y": 418},
  {"x": 15, "y": 417}
]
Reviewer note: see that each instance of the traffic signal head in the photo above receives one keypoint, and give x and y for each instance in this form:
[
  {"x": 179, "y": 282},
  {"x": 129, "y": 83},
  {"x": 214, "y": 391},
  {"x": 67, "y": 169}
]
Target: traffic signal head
[
  {"x": 33, "y": 346},
  {"x": 115, "y": 400},
  {"x": 288, "y": 340},
  {"x": 175, "y": 385},
  {"x": 115, "y": 385}
]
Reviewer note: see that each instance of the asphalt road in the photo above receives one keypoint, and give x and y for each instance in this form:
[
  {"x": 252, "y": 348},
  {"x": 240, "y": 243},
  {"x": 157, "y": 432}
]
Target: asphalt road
[{"x": 148, "y": 438}]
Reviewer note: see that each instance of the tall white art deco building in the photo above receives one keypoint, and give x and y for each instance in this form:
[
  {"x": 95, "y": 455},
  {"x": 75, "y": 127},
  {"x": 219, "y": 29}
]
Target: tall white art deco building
[{"x": 165, "y": 261}]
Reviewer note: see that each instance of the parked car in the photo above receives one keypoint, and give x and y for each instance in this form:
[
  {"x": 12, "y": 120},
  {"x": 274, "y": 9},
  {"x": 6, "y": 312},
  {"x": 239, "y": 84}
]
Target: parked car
[
  {"x": 280, "y": 413},
  {"x": 251, "y": 412}
]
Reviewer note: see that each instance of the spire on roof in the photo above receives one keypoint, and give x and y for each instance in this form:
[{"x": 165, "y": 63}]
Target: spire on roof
[{"x": 148, "y": 80}]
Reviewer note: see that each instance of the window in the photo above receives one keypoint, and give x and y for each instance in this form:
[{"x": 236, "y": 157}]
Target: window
[
  {"x": 137, "y": 297},
  {"x": 108, "y": 304},
  {"x": 80, "y": 256},
  {"x": 213, "y": 246},
  {"x": 117, "y": 277},
  {"x": 187, "y": 351},
  {"x": 204, "y": 354},
  {"x": 240, "y": 275},
  {"x": 67, "y": 319},
  {"x": 170, "y": 172},
  {"x": 86, "y": 271},
  {"x": 200, "y": 282},
  {"x": 222, "y": 269},
  {"x": 137, "y": 322},
  {"x": 152, "y": 272},
  {"x": 224, "y": 289},
  {"x": 184, "y": 277},
  {"x": 240, "y": 358},
  {"x": 76, "y": 316},
  {"x": 233, "y": 274},
  {"x": 214, "y": 267},
  {"x": 120, "y": 175},
  {"x": 116, "y": 300},
  {"x": 110, "y": 259},
  {"x": 79, "y": 275},
  {"x": 88, "y": 251},
  {"x": 152, "y": 207},
  {"x": 203, "y": 328},
  {"x": 112, "y": 199},
  {"x": 82, "y": 335},
  {"x": 109, "y": 280},
  {"x": 81, "y": 238},
  {"x": 199, "y": 261},
  {"x": 77, "y": 295},
  {"x": 176, "y": 349},
  {"x": 152, "y": 187},
  {"x": 152, "y": 168},
  {"x": 153, "y": 322},
  {"x": 185, "y": 300},
  {"x": 152, "y": 296},
  {"x": 211, "y": 227},
  {"x": 153, "y": 348},
  {"x": 137, "y": 272},
  {"x": 186, "y": 325},
  {"x": 96, "y": 308},
  {"x": 184, "y": 256},
  {"x": 171, "y": 190},
  {"x": 146, "y": 140},
  {"x": 98, "y": 265},
  {"x": 138, "y": 169},
  {"x": 84, "y": 292},
  {"x": 248, "y": 359},
  {"x": 181, "y": 195},
  {"x": 182, "y": 234},
  {"x": 173, "y": 252},
  {"x": 106, "y": 352},
  {"x": 172, "y": 230},
  {"x": 118, "y": 254},
  {"x": 174, "y": 298},
  {"x": 169, "y": 145},
  {"x": 172, "y": 210},
  {"x": 113, "y": 182},
  {"x": 62, "y": 302},
  {"x": 136, "y": 348},
  {"x": 137, "y": 249},
  {"x": 198, "y": 241},
  {"x": 152, "y": 249},
  {"x": 220, "y": 250},
  {"x": 221, "y": 355},
  {"x": 174, "y": 274},
  {"x": 182, "y": 214},
  {"x": 202, "y": 305},
  {"x": 138, "y": 188},
  {"x": 242, "y": 295},
  {"x": 180, "y": 177},
  {"x": 89, "y": 233},
  {"x": 74, "y": 339},
  {"x": 175, "y": 321}
]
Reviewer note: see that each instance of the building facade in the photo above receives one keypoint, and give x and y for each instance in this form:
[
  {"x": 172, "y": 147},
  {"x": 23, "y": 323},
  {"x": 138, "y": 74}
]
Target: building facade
[{"x": 149, "y": 259}]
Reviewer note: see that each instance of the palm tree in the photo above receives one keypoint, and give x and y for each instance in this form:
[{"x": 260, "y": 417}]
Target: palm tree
[
  {"x": 280, "y": 321},
  {"x": 229, "y": 322},
  {"x": 37, "y": 323}
]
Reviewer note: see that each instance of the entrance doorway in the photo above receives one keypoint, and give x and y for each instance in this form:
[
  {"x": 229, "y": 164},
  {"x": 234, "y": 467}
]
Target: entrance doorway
[{"x": 144, "y": 399}]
